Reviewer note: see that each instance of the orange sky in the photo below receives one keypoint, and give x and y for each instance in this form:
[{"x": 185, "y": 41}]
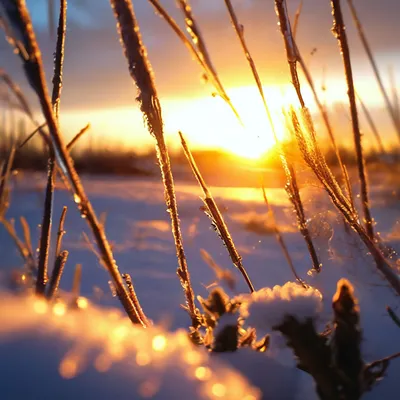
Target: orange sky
[{"x": 98, "y": 89}]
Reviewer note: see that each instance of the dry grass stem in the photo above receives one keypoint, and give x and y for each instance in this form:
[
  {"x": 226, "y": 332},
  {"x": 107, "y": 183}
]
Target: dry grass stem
[
  {"x": 5, "y": 181},
  {"x": 61, "y": 231},
  {"x": 339, "y": 31},
  {"x": 35, "y": 73},
  {"x": 196, "y": 46},
  {"x": 294, "y": 56},
  {"x": 240, "y": 33},
  {"x": 296, "y": 18},
  {"x": 141, "y": 73},
  {"x": 313, "y": 156},
  {"x": 75, "y": 139},
  {"x": 54, "y": 283},
  {"x": 27, "y": 237},
  {"x": 45, "y": 234},
  {"x": 216, "y": 216},
  {"x": 390, "y": 107},
  {"x": 371, "y": 124},
  {"x": 279, "y": 238}
]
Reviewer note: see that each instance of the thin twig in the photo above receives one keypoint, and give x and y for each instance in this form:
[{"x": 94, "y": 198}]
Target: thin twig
[
  {"x": 27, "y": 236},
  {"x": 315, "y": 159},
  {"x": 216, "y": 216},
  {"x": 36, "y": 76},
  {"x": 31, "y": 135},
  {"x": 372, "y": 125},
  {"x": 341, "y": 36},
  {"x": 61, "y": 231},
  {"x": 367, "y": 48},
  {"x": 128, "y": 280},
  {"x": 279, "y": 237},
  {"x": 293, "y": 57},
  {"x": 75, "y": 139},
  {"x": 395, "y": 318},
  {"x": 240, "y": 33},
  {"x": 196, "y": 46},
  {"x": 57, "y": 273},
  {"x": 5, "y": 180},
  {"x": 141, "y": 73},
  {"x": 296, "y": 18}
]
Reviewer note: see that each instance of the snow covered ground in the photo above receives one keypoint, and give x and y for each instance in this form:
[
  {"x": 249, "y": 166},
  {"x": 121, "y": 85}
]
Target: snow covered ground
[{"x": 138, "y": 226}]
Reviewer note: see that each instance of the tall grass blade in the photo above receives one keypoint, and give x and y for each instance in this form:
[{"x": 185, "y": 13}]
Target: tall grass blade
[
  {"x": 371, "y": 124},
  {"x": 27, "y": 236},
  {"x": 18, "y": 13},
  {"x": 141, "y": 73},
  {"x": 196, "y": 46},
  {"x": 61, "y": 231},
  {"x": 5, "y": 181},
  {"x": 313, "y": 156},
  {"x": 390, "y": 107},
  {"x": 56, "y": 275},
  {"x": 279, "y": 238},
  {"x": 216, "y": 216},
  {"x": 339, "y": 31}
]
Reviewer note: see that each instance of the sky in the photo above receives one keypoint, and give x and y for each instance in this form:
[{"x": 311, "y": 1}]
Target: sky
[{"x": 99, "y": 90}]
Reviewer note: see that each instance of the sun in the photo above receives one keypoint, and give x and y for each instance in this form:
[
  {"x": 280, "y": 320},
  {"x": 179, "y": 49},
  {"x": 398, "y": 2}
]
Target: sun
[{"x": 210, "y": 123}]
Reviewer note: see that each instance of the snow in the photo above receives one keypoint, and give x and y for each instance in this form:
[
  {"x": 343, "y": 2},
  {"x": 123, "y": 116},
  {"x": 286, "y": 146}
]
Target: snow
[
  {"x": 137, "y": 363},
  {"x": 267, "y": 308},
  {"x": 136, "y": 222}
]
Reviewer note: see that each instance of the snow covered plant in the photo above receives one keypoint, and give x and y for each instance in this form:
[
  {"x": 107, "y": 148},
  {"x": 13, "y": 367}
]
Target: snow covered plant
[{"x": 333, "y": 358}]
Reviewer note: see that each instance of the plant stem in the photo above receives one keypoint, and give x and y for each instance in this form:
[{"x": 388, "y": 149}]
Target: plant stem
[{"x": 340, "y": 33}]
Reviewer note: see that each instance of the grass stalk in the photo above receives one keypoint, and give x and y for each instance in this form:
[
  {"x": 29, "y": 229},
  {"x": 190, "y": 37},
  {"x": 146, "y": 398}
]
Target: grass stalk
[
  {"x": 56, "y": 274},
  {"x": 279, "y": 238},
  {"x": 141, "y": 73},
  {"x": 45, "y": 234},
  {"x": 196, "y": 46},
  {"x": 389, "y": 106},
  {"x": 5, "y": 181},
  {"x": 293, "y": 57},
  {"x": 216, "y": 216},
  {"x": 313, "y": 156},
  {"x": 75, "y": 139},
  {"x": 371, "y": 124},
  {"x": 240, "y": 34},
  {"x": 340, "y": 33},
  {"x": 27, "y": 236},
  {"x": 36, "y": 76},
  {"x": 297, "y": 18},
  {"x": 61, "y": 231}
]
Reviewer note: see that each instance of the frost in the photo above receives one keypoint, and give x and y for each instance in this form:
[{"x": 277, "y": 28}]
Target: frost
[{"x": 267, "y": 308}]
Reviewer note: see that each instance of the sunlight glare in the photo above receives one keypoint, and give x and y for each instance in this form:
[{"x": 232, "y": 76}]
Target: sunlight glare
[{"x": 209, "y": 122}]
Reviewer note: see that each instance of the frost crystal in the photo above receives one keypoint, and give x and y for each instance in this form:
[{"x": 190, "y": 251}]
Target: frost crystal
[{"x": 267, "y": 308}]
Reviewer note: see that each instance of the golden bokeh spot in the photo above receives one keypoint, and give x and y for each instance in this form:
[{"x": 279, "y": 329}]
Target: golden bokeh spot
[
  {"x": 68, "y": 368},
  {"x": 202, "y": 373},
  {"x": 193, "y": 357},
  {"x": 59, "y": 309},
  {"x": 249, "y": 397},
  {"x": 23, "y": 278},
  {"x": 40, "y": 306},
  {"x": 142, "y": 358},
  {"x": 148, "y": 388},
  {"x": 82, "y": 302},
  {"x": 218, "y": 390},
  {"x": 159, "y": 343},
  {"x": 102, "y": 363},
  {"x": 120, "y": 332}
]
